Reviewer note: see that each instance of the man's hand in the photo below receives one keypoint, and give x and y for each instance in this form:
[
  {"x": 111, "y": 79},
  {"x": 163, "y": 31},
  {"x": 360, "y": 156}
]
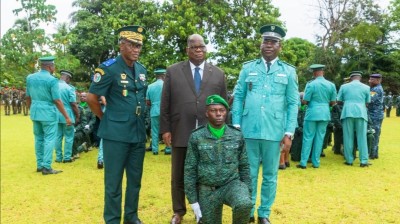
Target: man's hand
[
  {"x": 68, "y": 120},
  {"x": 286, "y": 141},
  {"x": 167, "y": 138},
  {"x": 197, "y": 211}
]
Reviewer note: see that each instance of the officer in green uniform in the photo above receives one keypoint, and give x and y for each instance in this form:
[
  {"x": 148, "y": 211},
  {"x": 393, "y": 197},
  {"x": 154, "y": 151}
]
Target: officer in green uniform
[
  {"x": 68, "y": 97},
  {"x": 355, "y": 96},
  {"x": 153, "y": 100},
  {"x": 216, "y": 168},
  {"x": 122, "y": 81},
  {"x": 43, "y": 100},
  {"x": 319, "y": 94},
  {"x": 267, "y": 90}
]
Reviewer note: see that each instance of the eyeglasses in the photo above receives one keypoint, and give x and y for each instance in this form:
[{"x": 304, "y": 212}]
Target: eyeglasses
[
  {"x": 133, "y": 45},
  {"x": 195, "y": 48}
]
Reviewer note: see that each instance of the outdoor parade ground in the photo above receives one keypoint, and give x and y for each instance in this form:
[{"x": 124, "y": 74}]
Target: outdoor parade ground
[{"x": 334, "y": 193}]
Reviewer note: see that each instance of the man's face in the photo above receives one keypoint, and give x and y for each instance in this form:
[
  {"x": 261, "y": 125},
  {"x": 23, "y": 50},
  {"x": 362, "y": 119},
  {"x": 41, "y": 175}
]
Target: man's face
[
  {"x": 270, "y": 49},
  {"x": 196, "y": 51},
  {"x": 216, "y": 115},
  {"x": 52, "y": 68},
  {"x": 373, "y": 81},
  {"x": 83, "y": 97},
  {"x": 130, "y": 51}
]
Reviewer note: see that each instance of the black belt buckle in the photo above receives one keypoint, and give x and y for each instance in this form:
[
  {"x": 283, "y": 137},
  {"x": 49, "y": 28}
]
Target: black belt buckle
[{"x": 138, "y": 110}]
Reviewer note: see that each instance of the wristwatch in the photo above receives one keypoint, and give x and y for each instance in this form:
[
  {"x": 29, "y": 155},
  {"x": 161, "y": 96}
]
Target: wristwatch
[{"x": 291, "y": 137}]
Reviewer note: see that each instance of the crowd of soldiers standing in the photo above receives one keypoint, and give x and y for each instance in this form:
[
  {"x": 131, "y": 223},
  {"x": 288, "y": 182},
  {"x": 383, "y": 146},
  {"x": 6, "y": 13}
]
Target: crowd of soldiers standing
[{"x": 14, "y": 98}]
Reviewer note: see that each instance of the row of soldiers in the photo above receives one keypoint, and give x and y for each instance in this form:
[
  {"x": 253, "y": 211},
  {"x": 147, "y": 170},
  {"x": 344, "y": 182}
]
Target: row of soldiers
[{"x": 14, "y": 98}]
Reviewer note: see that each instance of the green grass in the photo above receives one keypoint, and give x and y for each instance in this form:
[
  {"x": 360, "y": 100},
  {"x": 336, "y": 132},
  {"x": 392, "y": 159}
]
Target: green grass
[{"x": 334, "y": 193}]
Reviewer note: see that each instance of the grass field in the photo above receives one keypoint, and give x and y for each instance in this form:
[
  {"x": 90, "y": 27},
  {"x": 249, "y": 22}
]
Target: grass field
[{"x": 334, "y": 193}]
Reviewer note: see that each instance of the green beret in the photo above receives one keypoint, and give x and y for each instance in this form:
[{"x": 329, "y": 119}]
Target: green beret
[
  {"x": 132, "y": 33},
  {"x": 356, "y": 73},
  {"x": 216, "y": 99},
  {"x": 317, "y": 67},
  {"x": 47, "y": 59},
  {"x": 65, "y": 72},
  {"x": 272, "y": 31},
  {"x": 160, "y": 71}
]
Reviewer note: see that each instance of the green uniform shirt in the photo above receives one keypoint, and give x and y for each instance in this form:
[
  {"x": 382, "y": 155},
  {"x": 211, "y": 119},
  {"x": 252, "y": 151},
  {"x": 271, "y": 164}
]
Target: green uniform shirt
[
  {"x": 215, "y": 162},
  {"x": 124, "y": 91}
]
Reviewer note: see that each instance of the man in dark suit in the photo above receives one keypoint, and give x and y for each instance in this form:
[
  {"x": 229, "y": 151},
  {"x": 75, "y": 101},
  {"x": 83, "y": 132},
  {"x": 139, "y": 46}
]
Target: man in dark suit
[{"x": 186, "y": 87}]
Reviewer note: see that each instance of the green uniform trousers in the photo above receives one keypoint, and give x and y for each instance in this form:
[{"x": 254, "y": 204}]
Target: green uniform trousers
[
  {"x": 359, "y": 126},
  {"x": 313, "y": 136},
  {"x": 155, "y": 131},
  {"x": 120, "y": 157},
  {"x": 269, "y": 153},
  {"x": 45, "y": 133},
  {"x": 234, "y": 194},
  {"x": 66, "y": 132}
]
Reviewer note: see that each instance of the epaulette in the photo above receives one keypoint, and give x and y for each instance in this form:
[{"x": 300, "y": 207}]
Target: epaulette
[
  {"x": 198, "y": 128},
  {"x": 246, "y": 62},
  {"x": 236, "y": 128},
  {"x": 284, "y": 62},
  {"x": 138, "y": 63},
  {"x": 109, "y": 62}
]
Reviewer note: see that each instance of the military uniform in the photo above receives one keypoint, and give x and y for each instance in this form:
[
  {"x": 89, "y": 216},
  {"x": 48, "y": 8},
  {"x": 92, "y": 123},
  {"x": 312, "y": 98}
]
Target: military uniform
[
  {"x": 42, "y": 89},
  {"x": 6, "y": 92},
  {"x": 355, "y": 96},
  {"x": 318, "y": 93},
  {"x": 388, "y": 100},
  {"x": 217, "y": 173},
  {"x": 398, "y": 106},
  {"x": 68, "y": 96},
  {"x": 376, "y": 113},
  {"x": 295, "y": 150},
  {"x": 260, "y": 85},
  {"x": 153, "y": 95},
  {"x": 122, "y": 129},
  {"x": 15, "y": 100},
  {"x": 337, "y": 129},
  {"x": 81, "y": 136}
]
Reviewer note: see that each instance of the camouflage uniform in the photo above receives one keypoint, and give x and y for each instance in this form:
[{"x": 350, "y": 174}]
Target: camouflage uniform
[
  {"x": 15, "y": 100},
  {"x": 388, "y": 100},
  {"x": 376, "y": 114},
  {"x": 6, "y": 92},
  {"x": 217, "y": 173},
  {"x": 297, "y": 143},
  {"x": 398, "y": 106},
  {"x": 82, "y": 136},
  {"x": 25, "y": 108},
  {"x": 337, "y": 129}
]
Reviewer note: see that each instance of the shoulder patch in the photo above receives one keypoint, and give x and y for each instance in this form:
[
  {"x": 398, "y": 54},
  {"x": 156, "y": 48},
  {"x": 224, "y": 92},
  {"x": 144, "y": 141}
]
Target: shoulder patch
[
  {"x": 99, "y": 70},
  {"x": 109, "y": 62},
  {"x": 198, "y": 128},
  {"x": 284, "y": 62}
]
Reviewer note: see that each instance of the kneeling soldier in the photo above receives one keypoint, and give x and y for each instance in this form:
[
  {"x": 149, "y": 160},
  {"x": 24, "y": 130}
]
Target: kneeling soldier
[{"x": 216, "y": 168}]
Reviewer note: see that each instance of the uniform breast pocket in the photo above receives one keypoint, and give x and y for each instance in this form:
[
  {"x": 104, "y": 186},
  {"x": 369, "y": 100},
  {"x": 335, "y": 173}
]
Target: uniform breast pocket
[
  {"x": 206, "y": 153},
  {"x": 231, "y": 153},
  {"x": 253, "y": 83},
  {"x": 280, "y": 84}
]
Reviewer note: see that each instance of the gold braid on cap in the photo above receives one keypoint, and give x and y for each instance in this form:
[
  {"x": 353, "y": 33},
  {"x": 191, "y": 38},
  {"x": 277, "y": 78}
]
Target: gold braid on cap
[{"x": 132, "y": 36}]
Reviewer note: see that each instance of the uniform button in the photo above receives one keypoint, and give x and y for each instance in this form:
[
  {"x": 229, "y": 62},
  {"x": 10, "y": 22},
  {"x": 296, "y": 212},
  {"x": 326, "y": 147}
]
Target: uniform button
[
  {"x": 137, "y": 91},
  {"x": 138, "y": 102},
  {"x": 135, "y": 80},
  {"x": 264, "y": 96},
  {"x": 262, "y": 107}
]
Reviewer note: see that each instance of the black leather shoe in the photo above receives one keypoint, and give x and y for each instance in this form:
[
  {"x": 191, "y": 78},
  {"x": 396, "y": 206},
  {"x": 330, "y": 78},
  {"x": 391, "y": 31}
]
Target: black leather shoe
[
  {"x": 300, "y": 166},
  {"x": 39, "y": 170},
  {"x": 100, "y": 165},
  {"x": 134, "y": 222},
  {"x": 315, "y": 166},
  {"x": 282, "y": 167},
  {"x": 155, "y": 153},
  {"x": 46, "y": 171},
  {"x": 58, "y": 161},
  {"x": 287, "y": 164},
  {"x": 148, "y": 149},
  {"x": 176, "y": 219},
  {"x": 348, "y": 164},
  {"x": 68, "y": 161},
  {"x": 365, "y": 164},
  {"x": 263, "y": 221},
  {"x": 323, "y": 154},
  {"x": 252, "y": 220}
]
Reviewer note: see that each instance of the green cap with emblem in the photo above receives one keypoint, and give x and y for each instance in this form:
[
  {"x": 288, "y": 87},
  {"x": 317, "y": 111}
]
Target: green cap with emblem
[
  {"x": 317, "y": 67},
  {"x": 356, "y": 73},
  {"x": 272, "y": 31},
  {"x": 132, "y": 33},
  {"x": 160, "y": 71},
  {"x": 216, "y": 99},
  {"x": 47, "y": 59}
]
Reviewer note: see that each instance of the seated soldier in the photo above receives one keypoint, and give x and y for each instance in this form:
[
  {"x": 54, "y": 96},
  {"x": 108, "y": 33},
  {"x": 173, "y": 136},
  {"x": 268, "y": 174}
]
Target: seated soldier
[{"x": 216, "y": 168}]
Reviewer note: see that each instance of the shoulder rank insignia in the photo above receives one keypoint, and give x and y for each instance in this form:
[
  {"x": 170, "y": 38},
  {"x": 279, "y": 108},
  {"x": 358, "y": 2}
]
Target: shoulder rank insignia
[
  {"x": 246, "y": 62},
  {"x": 109, "y": 62}
]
